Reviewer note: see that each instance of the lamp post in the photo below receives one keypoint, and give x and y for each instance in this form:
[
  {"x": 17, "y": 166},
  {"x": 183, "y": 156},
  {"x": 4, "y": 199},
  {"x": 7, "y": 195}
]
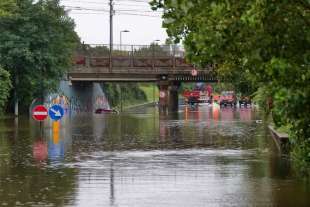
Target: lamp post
[
  {"x": 120, "y": 38},
  {"x": 153, "y": 47},
  {"x": 155, "y": 41}
]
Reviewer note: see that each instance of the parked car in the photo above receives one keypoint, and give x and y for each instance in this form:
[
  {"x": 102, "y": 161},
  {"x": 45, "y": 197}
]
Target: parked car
[
  {"x": 228, "y": 98},
  {"x": 245, "y": 101},
  {"x": 102, "y": 111}
]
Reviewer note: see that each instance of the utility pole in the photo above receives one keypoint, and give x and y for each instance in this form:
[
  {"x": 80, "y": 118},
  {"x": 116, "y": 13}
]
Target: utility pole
[
  {"x": 16, "y": 82},
  {"x": 111, "y": 32}
]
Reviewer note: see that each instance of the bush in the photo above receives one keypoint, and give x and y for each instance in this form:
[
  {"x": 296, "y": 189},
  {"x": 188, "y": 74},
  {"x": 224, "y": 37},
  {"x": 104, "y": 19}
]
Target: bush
[{"x": 5, "y": 83}]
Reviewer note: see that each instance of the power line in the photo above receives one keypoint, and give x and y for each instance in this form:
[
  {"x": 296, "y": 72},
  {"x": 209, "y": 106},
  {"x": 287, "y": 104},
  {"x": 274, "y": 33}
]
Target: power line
[
  {"x": 118, "y": 7},
  {"x": 135, "y": 14},
  {"x": 117, "y": 13},
  {"x": 139, "y": 1},
  {"x": 127, "y": 2},
  {"x": 102, "y": 9},
  {"x": 83, "y": 8},
  {"x": 111, "y": 31},
  {"x": 116, "y": 4}
]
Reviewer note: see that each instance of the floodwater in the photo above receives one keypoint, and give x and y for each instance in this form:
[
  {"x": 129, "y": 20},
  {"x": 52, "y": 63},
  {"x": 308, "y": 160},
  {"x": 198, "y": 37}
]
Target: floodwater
[{"x": 197, "y": 157}]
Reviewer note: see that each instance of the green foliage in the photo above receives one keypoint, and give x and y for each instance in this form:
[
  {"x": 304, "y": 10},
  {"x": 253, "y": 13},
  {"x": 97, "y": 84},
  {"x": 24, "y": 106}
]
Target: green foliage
[
  {"x": 7, "y": 7},
  {"x": 5, "y": 88},
  {"x": 36, "y": 46},
  {"x": 129, "y": 93},
  {"x": 256, "y": 43},
  {"x": 151, "y": 91},
  {"x": 152, "y": 50},
  {"x": 143, "y": 51},
  {"x": 97, "y": 50}
]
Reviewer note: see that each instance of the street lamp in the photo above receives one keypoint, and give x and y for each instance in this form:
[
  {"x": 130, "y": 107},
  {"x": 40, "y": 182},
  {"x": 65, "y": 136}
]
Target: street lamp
[
  {"x": 154, "y": 42},
  {"x": 120, "y": 38},
  {"x": 153, "y": 46}
]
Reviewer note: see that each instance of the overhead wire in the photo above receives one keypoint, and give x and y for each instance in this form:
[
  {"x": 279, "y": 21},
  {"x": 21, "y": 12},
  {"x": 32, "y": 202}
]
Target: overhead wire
[
  {"x": 95, "y": 9},
  {"x": 118, "y": 11},
  {"x": 121, "y": 13},
  {"x": 116, "y": 2}
]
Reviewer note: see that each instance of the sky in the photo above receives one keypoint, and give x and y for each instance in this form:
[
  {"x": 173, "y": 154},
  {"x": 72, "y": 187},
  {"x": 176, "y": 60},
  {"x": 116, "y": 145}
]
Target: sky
[{"x": 92, "y": 21}]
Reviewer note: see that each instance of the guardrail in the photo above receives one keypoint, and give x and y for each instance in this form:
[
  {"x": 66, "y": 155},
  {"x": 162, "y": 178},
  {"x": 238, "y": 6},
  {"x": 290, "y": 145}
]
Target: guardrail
[{"x": 131, "y": 56}]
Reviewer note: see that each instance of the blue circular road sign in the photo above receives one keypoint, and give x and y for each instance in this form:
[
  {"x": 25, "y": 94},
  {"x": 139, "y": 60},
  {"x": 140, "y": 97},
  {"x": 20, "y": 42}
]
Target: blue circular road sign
[{"x": 56, "y": 112}]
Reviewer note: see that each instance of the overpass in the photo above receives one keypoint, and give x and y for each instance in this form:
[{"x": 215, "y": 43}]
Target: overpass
[{"x": 162, "y": 64}]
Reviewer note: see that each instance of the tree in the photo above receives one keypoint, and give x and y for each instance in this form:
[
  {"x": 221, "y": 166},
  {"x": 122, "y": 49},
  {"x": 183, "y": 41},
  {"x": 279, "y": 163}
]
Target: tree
[
  {"x": 6, "y": 85},
  {"x": 5, "y": 81},
  {"x": 256, "y": 43},
  {"x": 6, "y": 7},
  {"x": 36, "y": 47}
]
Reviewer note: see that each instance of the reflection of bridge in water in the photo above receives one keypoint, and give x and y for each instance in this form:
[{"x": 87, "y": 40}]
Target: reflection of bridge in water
[{"x": 164, "y": 65}]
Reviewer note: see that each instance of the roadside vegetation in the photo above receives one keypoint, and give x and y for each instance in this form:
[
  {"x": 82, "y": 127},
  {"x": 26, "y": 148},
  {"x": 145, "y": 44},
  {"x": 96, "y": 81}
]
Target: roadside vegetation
[
  {"x": 129, "y": 94},
  {"x": 260, "y": 46},
  {"x": 151, "y": 91},
  {"x": 5, "y": 83},
  {"x": 36, "y": 46}
]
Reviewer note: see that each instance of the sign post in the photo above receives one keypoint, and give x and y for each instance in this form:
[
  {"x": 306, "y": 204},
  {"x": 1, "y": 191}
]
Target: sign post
[{"x": 39, "y": 113}]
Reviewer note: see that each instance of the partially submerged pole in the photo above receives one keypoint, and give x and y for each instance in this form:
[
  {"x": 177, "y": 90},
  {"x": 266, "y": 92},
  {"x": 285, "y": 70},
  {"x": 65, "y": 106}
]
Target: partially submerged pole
[{"x": 15, "y": 95}]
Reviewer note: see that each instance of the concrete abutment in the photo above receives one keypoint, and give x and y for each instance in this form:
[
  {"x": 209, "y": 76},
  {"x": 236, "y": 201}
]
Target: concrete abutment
[{"x": 168, "y": 96}]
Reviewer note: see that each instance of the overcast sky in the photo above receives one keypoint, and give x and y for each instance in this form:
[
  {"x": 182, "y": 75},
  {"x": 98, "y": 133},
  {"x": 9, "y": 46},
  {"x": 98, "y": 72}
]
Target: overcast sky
[{"x": 92, "y": 21}]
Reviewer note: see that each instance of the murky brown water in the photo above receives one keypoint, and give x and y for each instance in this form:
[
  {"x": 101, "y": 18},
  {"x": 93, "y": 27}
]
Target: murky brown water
[{"x": 201, "y": 157}]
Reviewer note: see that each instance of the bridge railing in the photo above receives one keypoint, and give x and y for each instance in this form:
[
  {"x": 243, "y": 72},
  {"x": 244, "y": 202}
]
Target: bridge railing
[{"x": 135, "y": 56}]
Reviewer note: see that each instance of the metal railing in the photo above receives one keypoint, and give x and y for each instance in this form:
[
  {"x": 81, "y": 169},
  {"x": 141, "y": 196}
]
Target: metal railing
[{"x": 131, "y": 56}]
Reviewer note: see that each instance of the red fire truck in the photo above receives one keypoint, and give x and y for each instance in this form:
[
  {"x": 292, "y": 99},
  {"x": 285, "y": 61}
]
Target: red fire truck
[{"x": 196, "y": 96}]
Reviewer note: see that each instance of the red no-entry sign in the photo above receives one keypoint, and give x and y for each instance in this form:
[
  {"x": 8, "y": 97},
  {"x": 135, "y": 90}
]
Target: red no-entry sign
[{"x": 39, "y": 113}]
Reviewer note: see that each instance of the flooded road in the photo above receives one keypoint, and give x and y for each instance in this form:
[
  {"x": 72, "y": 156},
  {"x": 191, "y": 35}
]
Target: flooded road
[{"x": 197, "y": 157}]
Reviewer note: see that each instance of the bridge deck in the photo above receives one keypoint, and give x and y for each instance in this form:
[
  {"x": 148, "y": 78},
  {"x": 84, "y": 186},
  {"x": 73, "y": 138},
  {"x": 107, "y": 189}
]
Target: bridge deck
[{"x": 136, "y": 68}]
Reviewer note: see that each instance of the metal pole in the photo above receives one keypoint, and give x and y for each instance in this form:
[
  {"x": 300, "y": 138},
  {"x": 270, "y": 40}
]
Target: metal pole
[
  {"x": 154, "y": 94},
  {"x": 120, "y": 40},
  {"x": 16, "y": 94},
  {"x": 132, "y": 60},
  {"x": 120, "y": 96},
  {"x": 121, "y": 99},
  {"x": 111, "y": 32}
]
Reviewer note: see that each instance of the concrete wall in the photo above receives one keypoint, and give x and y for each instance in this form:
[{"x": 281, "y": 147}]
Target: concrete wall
[{"x": 82, "y": 97}]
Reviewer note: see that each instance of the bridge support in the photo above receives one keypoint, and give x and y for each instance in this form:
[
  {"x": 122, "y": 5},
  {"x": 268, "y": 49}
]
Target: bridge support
[
  {"x": 168, "y": 96},
  {"x": 84, "y": 97}
]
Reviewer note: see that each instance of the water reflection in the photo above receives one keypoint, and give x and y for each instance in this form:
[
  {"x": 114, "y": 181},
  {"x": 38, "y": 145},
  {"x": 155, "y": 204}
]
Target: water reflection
[
  {"x": 56, "y": 146},
  {"x": 40, "y": 153},
  {"x": 25, "y": 177},
  {"x": 197, "y": 157}
]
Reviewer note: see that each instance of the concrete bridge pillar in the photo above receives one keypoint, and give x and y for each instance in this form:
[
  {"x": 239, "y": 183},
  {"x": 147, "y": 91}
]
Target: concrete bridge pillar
[
  {"x": 168, "y": 96},
  {"x": 173, "y": 104},
  {"x": 163, "y": 97}
]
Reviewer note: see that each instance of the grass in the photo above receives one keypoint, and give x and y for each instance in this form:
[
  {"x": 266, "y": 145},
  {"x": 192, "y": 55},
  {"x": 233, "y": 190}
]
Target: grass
[
  {"x": 149, "y": 90},
  {"x": 281, "y": 129}
]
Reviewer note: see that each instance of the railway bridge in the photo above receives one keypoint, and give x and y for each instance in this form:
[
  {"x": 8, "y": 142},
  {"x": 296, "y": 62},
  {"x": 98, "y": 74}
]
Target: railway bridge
[{"x": 164, "y": 65}]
